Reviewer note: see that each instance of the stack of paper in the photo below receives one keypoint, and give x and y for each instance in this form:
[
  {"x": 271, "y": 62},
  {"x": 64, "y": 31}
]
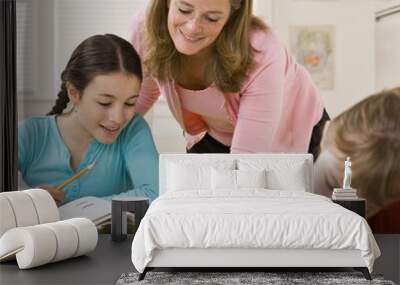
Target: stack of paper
[{"x": 344, "y": 194}]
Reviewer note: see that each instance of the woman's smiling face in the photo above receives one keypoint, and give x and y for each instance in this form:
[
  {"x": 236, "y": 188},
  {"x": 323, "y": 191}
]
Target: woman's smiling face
[{"x": 194, "y": 25}]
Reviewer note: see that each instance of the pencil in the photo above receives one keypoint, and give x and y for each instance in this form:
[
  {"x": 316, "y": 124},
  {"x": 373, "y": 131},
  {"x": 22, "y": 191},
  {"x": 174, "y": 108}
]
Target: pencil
[{"x": 83, "y": 171}]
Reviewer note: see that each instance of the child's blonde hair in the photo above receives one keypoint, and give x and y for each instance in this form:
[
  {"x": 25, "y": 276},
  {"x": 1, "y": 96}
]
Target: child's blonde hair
[{"x": 369, "y": 133}]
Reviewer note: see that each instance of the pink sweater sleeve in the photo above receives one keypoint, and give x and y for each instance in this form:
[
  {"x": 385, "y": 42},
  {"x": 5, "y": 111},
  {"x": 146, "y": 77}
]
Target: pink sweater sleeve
[
  {"x": 261, "y": 103},
  {"x": 149, "y": 91}
]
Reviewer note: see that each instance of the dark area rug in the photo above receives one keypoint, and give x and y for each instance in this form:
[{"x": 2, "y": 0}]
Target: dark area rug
[{"x": 270, "y": 278}]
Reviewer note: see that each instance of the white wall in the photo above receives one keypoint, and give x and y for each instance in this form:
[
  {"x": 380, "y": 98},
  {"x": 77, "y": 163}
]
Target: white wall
[
  {"x": 26, "y": 53},
  {"x": 354, "y": 63},
  {"x": 388, "y": 47},
  {"x": 76, "y": 20},
  {"x": 263, "y": 9},
  {"x": 385, "y": 4}
]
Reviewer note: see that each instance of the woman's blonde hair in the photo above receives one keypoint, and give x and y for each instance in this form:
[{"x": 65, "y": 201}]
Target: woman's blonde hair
[
  {"x": 232, "y": 56},
  {"x": 369, "y": 133}
]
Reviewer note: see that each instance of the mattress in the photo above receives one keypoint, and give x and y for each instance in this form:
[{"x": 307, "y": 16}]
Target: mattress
[{"x": 251, "y": 219}]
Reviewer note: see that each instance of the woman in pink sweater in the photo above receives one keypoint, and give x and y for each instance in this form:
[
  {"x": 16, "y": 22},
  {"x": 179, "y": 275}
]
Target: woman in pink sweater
[{"x": 228, "y": 80}]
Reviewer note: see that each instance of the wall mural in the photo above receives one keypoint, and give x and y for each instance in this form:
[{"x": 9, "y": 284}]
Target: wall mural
[{"x": 314, "y": 48}]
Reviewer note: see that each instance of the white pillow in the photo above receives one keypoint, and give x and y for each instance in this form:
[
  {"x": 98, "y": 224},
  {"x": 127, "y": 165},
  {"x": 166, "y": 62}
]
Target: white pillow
[
  {"x": 293, "y": 180},
  {"x": 193, "y": 175},
  {"x": 223, "y": 179},
  {"x": 251, "y": 178},
  {"x": 181, "y": 178},
  {"x": 226, "y": 179},
  {"x": 282, "y": 174}
]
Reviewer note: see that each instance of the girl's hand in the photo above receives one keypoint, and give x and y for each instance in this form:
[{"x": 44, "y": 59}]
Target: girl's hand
[{"x": 58, "y": 195}]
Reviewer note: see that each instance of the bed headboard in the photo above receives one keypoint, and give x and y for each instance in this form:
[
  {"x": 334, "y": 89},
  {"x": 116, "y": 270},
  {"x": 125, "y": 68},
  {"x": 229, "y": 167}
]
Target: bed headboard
[{"x": 284, "y": 162}]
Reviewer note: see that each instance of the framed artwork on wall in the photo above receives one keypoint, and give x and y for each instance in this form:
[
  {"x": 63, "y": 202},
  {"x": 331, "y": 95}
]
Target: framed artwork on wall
[{"x": 314, "y": 48}]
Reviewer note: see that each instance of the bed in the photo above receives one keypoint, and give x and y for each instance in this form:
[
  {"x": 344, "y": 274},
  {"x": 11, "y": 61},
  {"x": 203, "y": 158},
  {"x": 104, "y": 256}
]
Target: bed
[{"x": 245, "y": 211}]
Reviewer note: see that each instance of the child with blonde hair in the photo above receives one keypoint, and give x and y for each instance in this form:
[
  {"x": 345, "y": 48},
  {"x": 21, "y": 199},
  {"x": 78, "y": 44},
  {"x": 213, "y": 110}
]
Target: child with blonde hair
[{"x": 369, "y": 133}]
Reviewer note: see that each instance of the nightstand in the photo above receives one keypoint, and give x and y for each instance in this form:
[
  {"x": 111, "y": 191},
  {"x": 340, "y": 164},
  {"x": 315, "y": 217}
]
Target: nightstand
[
  {"x": 119, "y": 207},
  {"x": 357, "y": 206}
]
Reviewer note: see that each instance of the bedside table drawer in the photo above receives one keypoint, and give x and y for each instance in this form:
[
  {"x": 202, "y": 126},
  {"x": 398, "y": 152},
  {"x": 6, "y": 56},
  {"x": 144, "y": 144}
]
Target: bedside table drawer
[{"x": 357, "y": 206}]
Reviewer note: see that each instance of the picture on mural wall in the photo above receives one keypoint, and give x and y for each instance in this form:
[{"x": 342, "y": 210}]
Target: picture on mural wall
[{"x": 314, "y": 48}]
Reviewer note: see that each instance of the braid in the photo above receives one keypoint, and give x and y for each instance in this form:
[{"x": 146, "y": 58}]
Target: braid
[{"x": 61, "y": 102}]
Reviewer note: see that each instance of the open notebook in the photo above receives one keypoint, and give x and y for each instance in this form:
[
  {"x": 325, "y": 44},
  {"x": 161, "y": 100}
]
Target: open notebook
[{"x": 95, "y": 209}]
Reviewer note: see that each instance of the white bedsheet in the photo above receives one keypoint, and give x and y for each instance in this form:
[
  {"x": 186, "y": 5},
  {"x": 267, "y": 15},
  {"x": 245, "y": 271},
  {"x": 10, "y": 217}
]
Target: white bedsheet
[{"x": 250, "y": 219}]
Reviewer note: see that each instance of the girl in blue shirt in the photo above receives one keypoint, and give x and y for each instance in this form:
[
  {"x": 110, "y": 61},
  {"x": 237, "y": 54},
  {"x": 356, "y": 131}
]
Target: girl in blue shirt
[{"x": 102, "y": 81}]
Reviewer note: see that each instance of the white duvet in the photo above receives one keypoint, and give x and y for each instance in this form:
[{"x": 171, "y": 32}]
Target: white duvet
[{"x": 250, "y": 219}]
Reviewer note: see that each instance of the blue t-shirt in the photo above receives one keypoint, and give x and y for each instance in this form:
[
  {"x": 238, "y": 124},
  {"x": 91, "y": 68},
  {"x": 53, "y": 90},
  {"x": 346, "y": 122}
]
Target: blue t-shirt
[{"x": 127, "y": 167}]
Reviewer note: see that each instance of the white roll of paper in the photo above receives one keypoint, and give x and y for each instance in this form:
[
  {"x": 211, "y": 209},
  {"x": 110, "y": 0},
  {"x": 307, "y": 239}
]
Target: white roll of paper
[
  {"x": 87, "y": 235},
  {"x": 67, "y": 239},
  {"x": 45, "y": 205},
  {"x": 33, "y": 246},
  {"x": 7, "y": 217},
  {"x": 23, "y": 207}
]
